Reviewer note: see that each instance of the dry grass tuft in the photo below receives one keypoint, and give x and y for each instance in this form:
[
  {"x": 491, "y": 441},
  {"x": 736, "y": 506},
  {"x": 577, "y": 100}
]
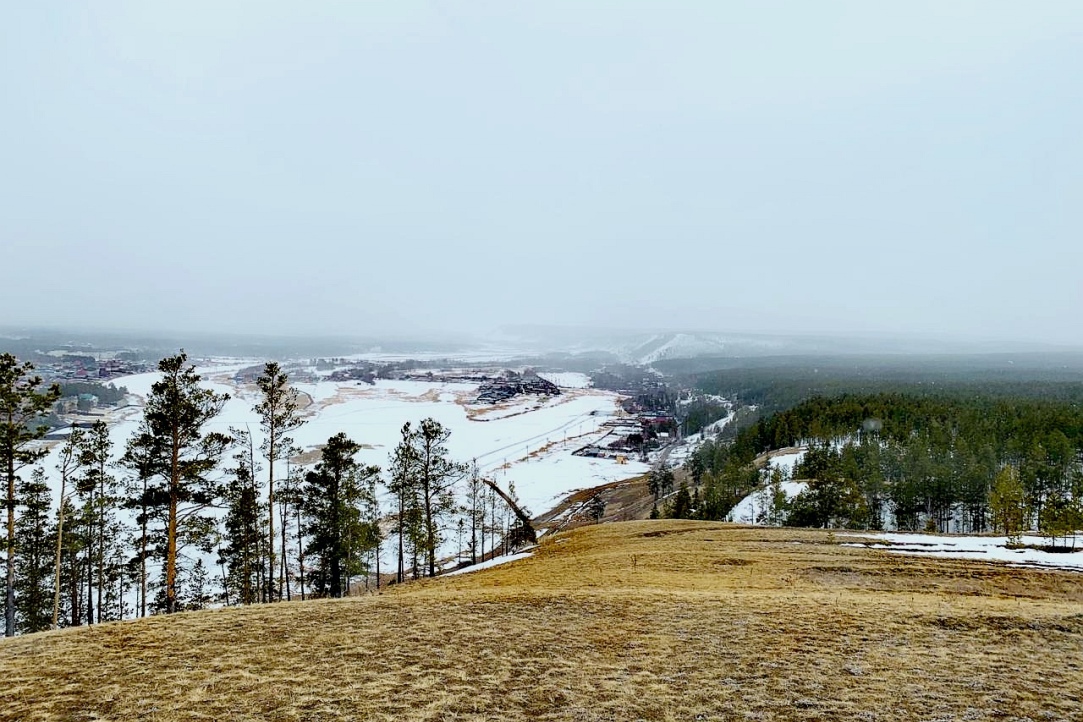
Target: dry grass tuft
[{"x": 643, "y": 620}]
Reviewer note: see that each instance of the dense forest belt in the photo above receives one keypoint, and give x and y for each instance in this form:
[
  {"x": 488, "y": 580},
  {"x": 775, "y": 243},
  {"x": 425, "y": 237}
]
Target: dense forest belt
[
  {"x": 779, "y": 384},
  {"x": 944, "y": 460}
]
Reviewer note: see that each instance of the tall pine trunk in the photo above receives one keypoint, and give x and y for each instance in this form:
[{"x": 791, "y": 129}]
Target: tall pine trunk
[
  {"x": 101, "y": 537},
  {"x": 284, "y": 579},
  {"x": 271, "y": 511},
  {"x": 430, "y": 532},
  {"x": 9, "y": 604},
  {"x": 143, "y": 555},
  {"x": 90, "y": 568},
  {"x": 336, "y": 561},
  {"x": 59, "y": 548},
  {"x": 400, "y": 577},
  {"x": 73, "y": 589},
  {"x": 171, "y": 529},
  {"x": 300, "y": 551}
]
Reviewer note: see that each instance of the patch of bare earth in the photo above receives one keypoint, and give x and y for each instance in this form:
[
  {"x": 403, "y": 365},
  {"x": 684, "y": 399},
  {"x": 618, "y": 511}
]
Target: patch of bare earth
[
  {"x": 658, "y": 620},
  {"x": 625, "y": 500}
]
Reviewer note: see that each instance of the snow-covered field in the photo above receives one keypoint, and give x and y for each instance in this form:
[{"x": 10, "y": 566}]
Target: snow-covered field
[
  {"x": 991, "y": 548},
  {"x": 526, "y": 441}
]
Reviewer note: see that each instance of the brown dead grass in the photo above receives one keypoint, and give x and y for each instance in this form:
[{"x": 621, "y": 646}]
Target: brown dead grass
[{"x": 641, "y": 620}]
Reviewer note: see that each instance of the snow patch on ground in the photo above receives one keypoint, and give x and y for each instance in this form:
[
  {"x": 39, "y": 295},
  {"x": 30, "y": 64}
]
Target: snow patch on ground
[
  {"x": 786, "y": 462},
  {"x": 992, "y": 548},
  {"x": 751, "y": 509},
  {"x": 489, "y": 564}
]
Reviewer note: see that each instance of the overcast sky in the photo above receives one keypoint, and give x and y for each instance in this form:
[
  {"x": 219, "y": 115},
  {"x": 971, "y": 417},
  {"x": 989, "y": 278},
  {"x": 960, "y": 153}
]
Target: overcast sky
[{"x": 911, "y": 168}]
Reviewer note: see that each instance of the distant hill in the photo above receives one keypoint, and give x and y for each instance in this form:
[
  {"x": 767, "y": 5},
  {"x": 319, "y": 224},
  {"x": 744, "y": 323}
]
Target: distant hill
[{"x": 645, "y": 347}]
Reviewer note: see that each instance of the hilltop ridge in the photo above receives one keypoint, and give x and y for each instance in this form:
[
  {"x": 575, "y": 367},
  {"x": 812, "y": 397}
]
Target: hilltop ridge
[{"x": 649, "y": 620}]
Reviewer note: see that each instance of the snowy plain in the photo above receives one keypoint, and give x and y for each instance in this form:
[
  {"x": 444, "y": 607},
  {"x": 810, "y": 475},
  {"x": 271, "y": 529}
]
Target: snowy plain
[{"x": 525, "y": 443}]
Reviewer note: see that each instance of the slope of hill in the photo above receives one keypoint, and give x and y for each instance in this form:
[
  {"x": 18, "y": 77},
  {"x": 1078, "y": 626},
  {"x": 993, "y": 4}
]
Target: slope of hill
[{"x": 642, "y": 620}]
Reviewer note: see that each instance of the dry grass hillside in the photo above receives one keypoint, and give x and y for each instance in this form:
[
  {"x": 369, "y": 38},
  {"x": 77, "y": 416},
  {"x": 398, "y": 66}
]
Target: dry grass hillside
[{"x": 640, "y": 620}]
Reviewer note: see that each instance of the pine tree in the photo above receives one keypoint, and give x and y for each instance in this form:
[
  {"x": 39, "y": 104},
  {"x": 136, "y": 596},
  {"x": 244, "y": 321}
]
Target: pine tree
[
  {"x": 117, "y": 579},
  {"x": 34, "y": 534},
  {"x": 777, "y": 500},
  {"x": 174, "y": 415},
  {"x": 95, "y": 456},
  {"x": 72, "y": 569},
  {"x": 332, "y": 493},
  {"x": 475, "y": 511},
  {"x": 68, "y": 466},
  {"x": 242, "y": 525},
  {"x": 279, "y": 415},
  {"x": 681, "y": 507},
  {"x": 198, "y": 593},
  {"x": 291, "y": 496},
  {"x": 1008, "y": 504},
  {"x": 660, "y": 481},
  {"x": 146, "y": 495},
  {"x": 436, "y": 475},
  {"x": 494, "y": 530},
  {"x": 114, "y": 576},
  {"x": 85, "y": 530},
  {"x": 371, "y": 534},
  {"x": 22, "y": 407},
  {"x": 288, "y": 497},
  {"x": 596, "y": 508},
  {"x": 403, "y": 486}
]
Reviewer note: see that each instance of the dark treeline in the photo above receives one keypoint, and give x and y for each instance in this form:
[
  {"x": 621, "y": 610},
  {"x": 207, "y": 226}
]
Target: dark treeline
[
  {"x": 700, "y": 412},
  {"x": 947, "y": 459},
  {"x": 182, "y": 517},
  {"x": 940, "y": 368},
  {"x": 776, "y": 384}
]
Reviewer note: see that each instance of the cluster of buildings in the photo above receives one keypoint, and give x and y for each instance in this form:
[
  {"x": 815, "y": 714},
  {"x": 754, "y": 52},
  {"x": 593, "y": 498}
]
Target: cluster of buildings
[
  {"x": 87, "y": 368},
  {"x": 632, "y": 436},
  {"x": 514, "y": 384}
]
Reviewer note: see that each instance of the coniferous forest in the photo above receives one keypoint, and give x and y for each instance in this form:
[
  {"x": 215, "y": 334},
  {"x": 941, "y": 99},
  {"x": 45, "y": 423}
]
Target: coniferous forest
[
  {"x": 957, "y": 458},
  {"x": 181, "y": 517}
]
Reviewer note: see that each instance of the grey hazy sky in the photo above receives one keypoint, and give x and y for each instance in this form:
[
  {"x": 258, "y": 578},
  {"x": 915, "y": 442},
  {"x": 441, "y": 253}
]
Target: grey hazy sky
[{"x": 359, "y": 167}]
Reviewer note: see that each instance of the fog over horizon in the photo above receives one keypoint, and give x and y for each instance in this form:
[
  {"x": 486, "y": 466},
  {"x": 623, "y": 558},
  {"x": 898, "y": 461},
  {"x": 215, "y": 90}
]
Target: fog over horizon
[{"x": 855, "y": 169}]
